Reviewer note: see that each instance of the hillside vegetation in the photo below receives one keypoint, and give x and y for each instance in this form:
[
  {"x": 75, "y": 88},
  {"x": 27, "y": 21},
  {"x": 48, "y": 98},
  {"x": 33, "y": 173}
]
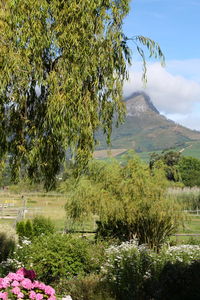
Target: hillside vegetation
[{"x": 145, "y": 129}]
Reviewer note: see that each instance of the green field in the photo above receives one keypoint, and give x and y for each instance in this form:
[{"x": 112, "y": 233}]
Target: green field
[
  {"x": 190, "y": 229},
  {"x": 48, "y": 205},
  {"x": 52, "y": 205},
  {"x": 191, "y": 149}
]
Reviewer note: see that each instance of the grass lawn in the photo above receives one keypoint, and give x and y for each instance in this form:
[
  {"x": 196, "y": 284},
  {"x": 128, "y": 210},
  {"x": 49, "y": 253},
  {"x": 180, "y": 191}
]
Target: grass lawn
[
  {"x": 191, "y": 226},
  {"x": 48, "y": 205}
]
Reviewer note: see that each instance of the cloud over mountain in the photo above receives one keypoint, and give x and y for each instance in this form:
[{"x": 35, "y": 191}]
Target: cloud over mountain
[{"x": 175, "y": 96}]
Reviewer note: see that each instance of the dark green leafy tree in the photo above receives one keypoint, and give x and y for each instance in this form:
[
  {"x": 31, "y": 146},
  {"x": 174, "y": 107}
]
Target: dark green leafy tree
[
  {"x": 63, "y": 64},
  {"x": 169, "y": 162},
  {"x": 189, "y": 168}
]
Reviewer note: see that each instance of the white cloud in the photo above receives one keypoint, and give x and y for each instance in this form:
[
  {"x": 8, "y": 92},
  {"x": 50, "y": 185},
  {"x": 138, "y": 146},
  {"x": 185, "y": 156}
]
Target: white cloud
[{"x": 175, "y": 95}]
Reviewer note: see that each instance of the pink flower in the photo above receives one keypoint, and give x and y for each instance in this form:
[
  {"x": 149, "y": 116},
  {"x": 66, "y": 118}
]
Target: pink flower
[
  {"x": 52, "y": 298},
  {"x": 12, "y": 276},
  {"x": 36, "y": 284},
  {"x": 18, "y": 275},
  {"x": 16, "y": 290},
  {"x": 21, "y": 271},
  {"x": 3, "y": 295},
  {"x": 27, "y": 284},
  {"x": 5, "y": 282},
  {"x": 39, "y": 296},
  {"x": 32, "y": 295},
  {"x": 1, "y": 286},
  {"x": 41, "y": 286},
  {"x": 21, "y": 281},
  {"x": 20, "y": 295},
  {"x": 15, "y": 276},
  {"x": 15, "y": 283},
  {"x": 49, "y": 290}
]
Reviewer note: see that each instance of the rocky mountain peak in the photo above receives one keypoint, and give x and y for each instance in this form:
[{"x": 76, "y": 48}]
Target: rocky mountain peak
[{"x": 138, "y": 104}]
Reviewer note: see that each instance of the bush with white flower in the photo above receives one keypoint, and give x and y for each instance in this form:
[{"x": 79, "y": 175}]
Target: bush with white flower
[
  {"x": 22, "y": 285},
  {"x": 134, "y": 271}
]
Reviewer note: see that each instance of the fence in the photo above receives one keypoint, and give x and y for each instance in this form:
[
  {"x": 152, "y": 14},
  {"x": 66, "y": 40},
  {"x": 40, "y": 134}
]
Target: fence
[
  {"x": 194, "y": 211},
  {"x": 177, "y": 235}
]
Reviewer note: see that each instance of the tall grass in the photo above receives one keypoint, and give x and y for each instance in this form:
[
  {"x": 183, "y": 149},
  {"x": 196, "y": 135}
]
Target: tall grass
[{"x": 188, "y": 197}]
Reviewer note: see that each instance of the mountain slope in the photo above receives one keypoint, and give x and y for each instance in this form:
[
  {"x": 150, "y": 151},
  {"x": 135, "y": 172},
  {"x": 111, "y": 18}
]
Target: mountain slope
[{"x": 145, "y": 129}]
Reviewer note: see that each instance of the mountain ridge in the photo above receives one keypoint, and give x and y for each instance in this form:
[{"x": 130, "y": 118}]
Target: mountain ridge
[{"x": 145, "y": 129}]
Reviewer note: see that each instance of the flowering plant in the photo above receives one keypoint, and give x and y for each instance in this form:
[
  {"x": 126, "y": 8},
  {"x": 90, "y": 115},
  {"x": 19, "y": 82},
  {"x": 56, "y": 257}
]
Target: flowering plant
[{"x": 22, "y": 285}]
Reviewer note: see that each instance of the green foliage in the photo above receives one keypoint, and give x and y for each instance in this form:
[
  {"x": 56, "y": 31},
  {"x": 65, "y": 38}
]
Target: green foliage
[
  {"x": 134, "y": 272},
  {"x": 25, "y": 186},
  {"x": 154, "y": 50},
  {"x": 125, "y": 271},
  {"x": 179, "y": 281},
  {"x": 34, "y": 228},
  {"x": 189, "y": 169},
  {"x": 20, "y": 229},
  {"x": 42, "y": 225},
  {"x": 56, "y": 257},
  {"x": 7, "y": 246},
  {"x": 87, "y": 287},
  {"x": 170, "y": 161},
  {"x": 129, "y": 200},
  {"x": 28, "y": 229},
  {"x": 68, "y": 62}
]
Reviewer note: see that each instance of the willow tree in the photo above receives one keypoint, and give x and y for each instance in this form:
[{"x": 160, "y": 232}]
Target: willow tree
[{"x": 63, "y": 64}]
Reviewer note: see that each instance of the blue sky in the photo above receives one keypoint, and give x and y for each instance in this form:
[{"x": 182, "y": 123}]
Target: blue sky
[{"x": 175, "y": 25}]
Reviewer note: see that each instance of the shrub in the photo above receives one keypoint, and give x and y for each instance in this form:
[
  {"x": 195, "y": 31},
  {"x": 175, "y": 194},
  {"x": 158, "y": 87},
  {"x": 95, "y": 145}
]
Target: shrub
[
  {"x": 179, "y": 281},
  {"x": 34, "y": 228},
  {"x": 42, "y": 225},
  {"x": 22, "y": 285},
  {"x": 56, "y": 256},
  {"x": 129, "y": 200},
  {"x": 135, "y": 272},
  {"x": 89, "y": 287},
  {"x": 20, "y": 229},
  {"x": 7, "y": 246},
  {"x": 126, "y": 270}
]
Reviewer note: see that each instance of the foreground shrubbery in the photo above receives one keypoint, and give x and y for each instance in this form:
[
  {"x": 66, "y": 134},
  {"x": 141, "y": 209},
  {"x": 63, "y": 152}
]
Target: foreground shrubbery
[
  {"x": 57, "y": 256},
  {"x": 88, "y": 287},
  {"x": 7, "y": 246},
  {"x": 22, "y": 284},
  {"x": 135, "y": 272},
  {"x": 87, "y": 271}
]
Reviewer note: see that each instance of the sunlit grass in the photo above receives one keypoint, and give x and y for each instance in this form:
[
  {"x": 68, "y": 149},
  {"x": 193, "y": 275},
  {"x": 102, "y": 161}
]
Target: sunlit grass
[{"x": 50, "y": 206}]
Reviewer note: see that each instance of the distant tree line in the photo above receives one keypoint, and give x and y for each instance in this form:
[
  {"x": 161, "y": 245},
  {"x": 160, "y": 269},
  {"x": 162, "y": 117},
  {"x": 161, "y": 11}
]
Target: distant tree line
[{"x": 185, "y": 169}]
